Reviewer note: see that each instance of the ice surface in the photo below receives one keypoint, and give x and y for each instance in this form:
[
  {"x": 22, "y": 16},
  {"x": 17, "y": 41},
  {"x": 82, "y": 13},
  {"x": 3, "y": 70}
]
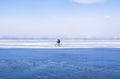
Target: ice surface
[{"x": 60, "y": 63}]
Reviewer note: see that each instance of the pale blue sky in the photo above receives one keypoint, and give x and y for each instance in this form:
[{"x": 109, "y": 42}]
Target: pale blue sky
[{"x": 60, "y": 18}]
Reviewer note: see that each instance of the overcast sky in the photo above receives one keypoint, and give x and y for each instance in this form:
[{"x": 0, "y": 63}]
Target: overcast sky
[{"x": 60, "y": 18}]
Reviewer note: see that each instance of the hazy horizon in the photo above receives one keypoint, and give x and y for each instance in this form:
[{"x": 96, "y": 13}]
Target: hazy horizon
[{"x": 60, "y": 18}]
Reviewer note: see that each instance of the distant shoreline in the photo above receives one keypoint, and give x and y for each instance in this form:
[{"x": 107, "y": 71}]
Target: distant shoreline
[{"x": 64, "y": 44}]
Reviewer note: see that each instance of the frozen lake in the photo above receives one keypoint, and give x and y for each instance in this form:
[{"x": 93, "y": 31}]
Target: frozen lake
[{"x": 51, "y": 63}]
